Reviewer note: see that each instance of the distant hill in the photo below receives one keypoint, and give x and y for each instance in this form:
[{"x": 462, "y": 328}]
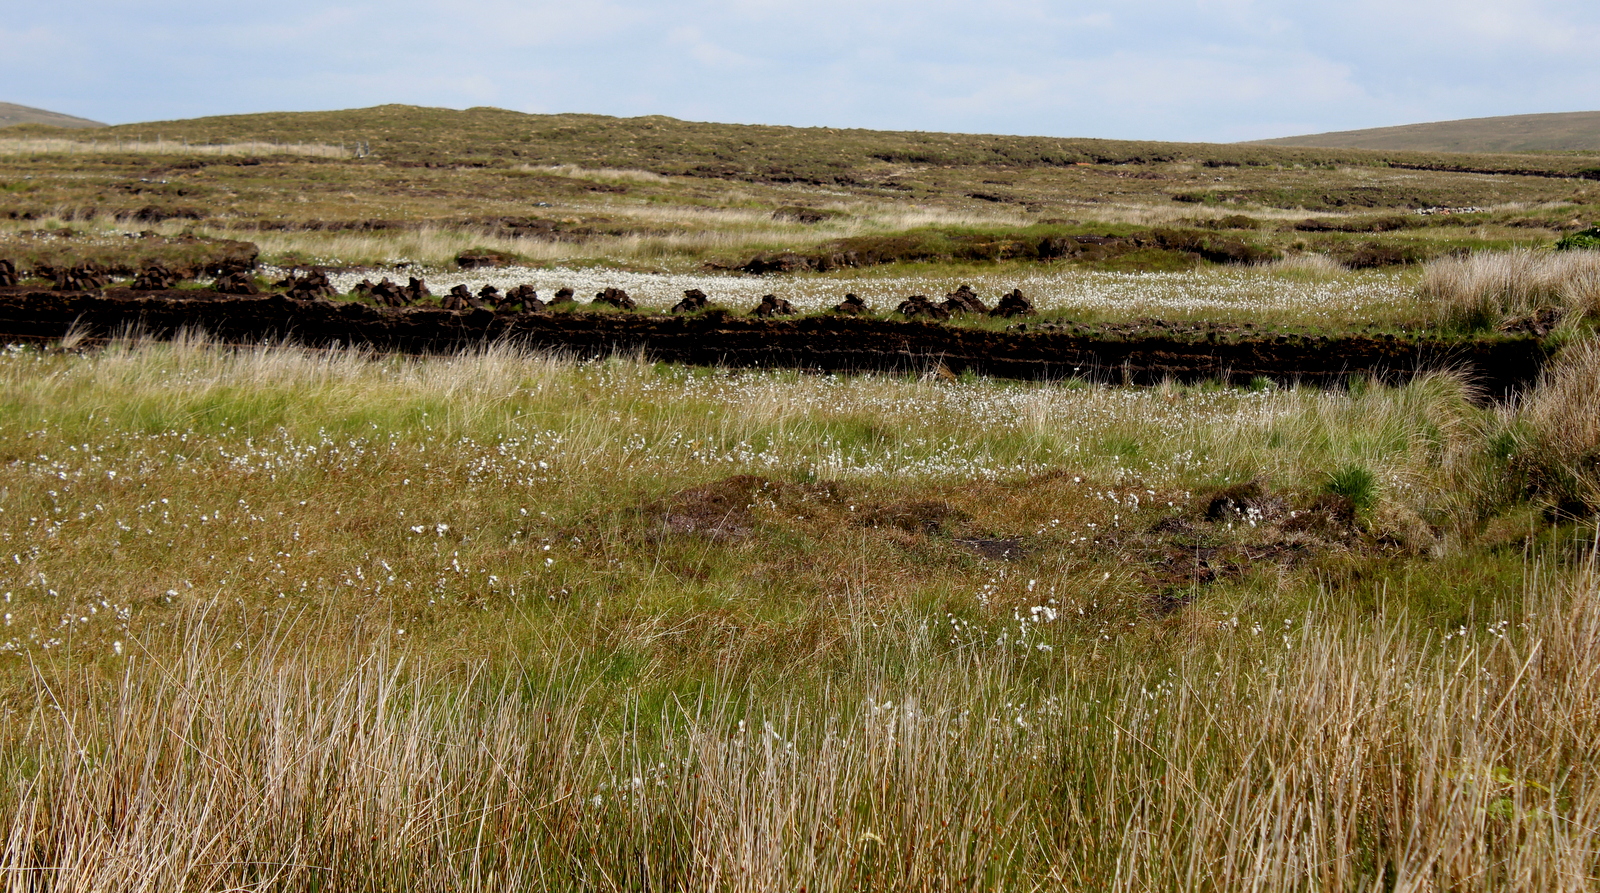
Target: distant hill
[
  {"x": 1558, "y": 132},
  {"x": 20, "y": 114},
  {"x": 437, "y": 137}
]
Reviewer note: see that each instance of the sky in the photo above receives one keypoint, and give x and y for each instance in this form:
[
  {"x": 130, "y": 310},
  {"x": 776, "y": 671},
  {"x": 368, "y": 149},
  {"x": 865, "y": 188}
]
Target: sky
[{"x": 1202, "y": 70}]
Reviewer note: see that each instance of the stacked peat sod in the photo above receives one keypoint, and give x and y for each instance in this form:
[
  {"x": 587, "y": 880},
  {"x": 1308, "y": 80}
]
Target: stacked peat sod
[
  {"x": 1013, "y": 305},
  {"x": 311, "y": 286},
  {"x": 694, "y": 300},
  {"x": 772, "y": 305},
  {"x": 918, "y": 307},
  {"x": 236, "y": 283},
  {"x": 614, "y": 297},
  {"x": 83, "y": 277},
  {"x": 522, "y": 299},
  {"x": 460, "y": 298},
  {"x": 155, "y": 277},
  {"x": 852, "y": 305},
  {"x": 391, "y": 294},
  {"x": 963, "y": 301}
]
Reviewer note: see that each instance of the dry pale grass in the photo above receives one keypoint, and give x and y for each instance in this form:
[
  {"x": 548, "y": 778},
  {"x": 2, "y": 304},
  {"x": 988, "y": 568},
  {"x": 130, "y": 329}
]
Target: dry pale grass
[
  {"x": 855, "y": 218},
  {"x": 1307, "y": 266},
  {"x": 673, "y": 237},
  {"x": 1342, "y": 754},
  {"x": 1168, "y": 213},
  {"x": 438, "y": 246},
  {"x": 1484, "y": 289},
  {"x": 58, "y": 146},
  {"x": 599, "y": 175},
  {"x": 430, "y": 245}
]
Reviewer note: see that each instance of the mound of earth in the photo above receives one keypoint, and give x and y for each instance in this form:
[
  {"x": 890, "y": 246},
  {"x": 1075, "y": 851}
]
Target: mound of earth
[
  {"x": 1169, "y": 555},
  {"x": 727, "y": 509}
]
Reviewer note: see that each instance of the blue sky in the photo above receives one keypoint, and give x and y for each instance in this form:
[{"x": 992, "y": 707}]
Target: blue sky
[{"x": 1205, "y": 70}]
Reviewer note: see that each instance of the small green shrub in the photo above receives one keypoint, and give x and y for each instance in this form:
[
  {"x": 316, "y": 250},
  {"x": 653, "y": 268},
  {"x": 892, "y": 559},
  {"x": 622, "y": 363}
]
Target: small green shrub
[{"x": 1582, "y": 239}]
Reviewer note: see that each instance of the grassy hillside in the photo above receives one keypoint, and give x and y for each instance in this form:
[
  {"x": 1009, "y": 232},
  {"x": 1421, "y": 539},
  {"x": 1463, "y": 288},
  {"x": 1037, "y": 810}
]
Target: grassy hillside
[
  {"x": 783, "y": 154},
  {"x": 1559, "y": 132},
  {"x": 403, "y": 183},
  {"x": 11, "y": 114}
]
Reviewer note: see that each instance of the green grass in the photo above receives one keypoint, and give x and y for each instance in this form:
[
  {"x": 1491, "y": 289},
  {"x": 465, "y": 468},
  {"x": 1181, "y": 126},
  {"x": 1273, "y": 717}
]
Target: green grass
[{"x": 1357, "y": 484}]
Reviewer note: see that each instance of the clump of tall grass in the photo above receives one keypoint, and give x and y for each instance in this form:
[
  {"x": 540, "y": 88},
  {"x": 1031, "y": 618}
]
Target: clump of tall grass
[
  {"x": 1482, "y": 290},
  {"x": 1307, "y": 266},
  {"x": 1414, "y": 461},
  {"x": 1561, "y": 430}
]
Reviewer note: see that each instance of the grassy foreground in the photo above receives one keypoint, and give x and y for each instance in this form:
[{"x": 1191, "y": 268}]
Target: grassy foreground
[{"x": 292, "y": 620}]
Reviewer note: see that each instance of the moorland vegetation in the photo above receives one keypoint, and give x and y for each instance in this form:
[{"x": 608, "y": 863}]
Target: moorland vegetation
[
  {"x": 399, "y": 183},
  {"x": 290, "y": 619}
]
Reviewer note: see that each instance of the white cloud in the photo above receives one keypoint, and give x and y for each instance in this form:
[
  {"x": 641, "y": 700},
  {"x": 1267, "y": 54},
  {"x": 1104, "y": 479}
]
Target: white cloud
[{"x": 693, "y": 41}]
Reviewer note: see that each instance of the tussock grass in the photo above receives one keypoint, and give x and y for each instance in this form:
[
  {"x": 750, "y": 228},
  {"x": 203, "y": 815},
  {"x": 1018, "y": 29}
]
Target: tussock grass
[
  {"x": 1561, "y": 448},
  {"x": 1308, "y": 266},
  {"x": 1170, "y": 214},
  {"x": 1484, "y": 289},
  {"x": 1417, "y": 458}
]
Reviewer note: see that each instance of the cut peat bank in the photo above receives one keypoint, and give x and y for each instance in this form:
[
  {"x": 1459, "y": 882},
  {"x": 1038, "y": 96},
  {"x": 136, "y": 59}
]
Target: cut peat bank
[{"x": 1499, "y": 364}]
